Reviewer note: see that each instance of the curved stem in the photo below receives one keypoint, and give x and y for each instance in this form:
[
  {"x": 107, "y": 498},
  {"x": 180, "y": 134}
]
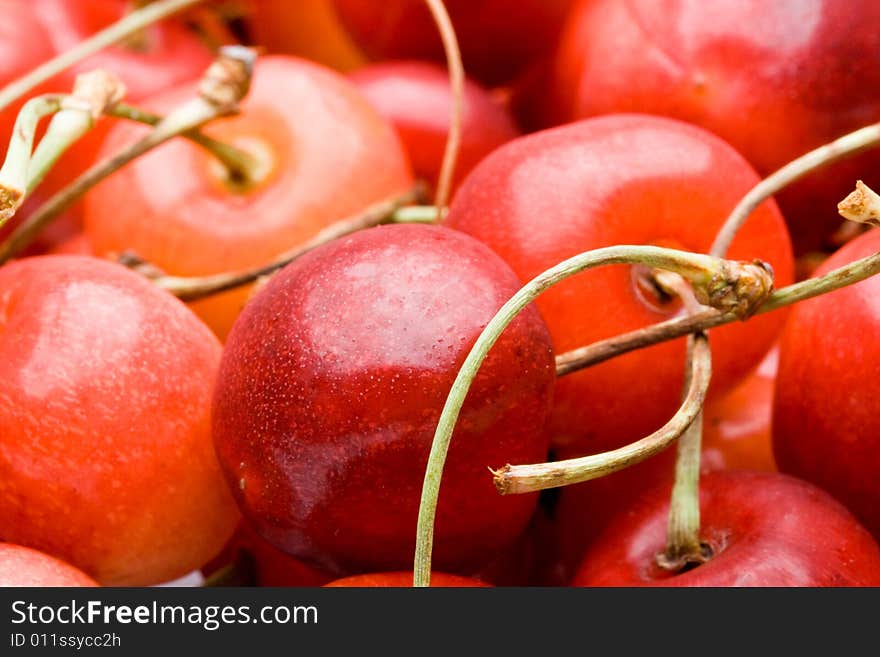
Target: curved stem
[
  {"x": 671, "y": 329},
  {"x": 216, "y": 99},
  {"x": 456, "y": 81},
  {"x": 190, "y": 288},
  {"x": 125, "y": 27},
  {"x": 14, "y": 173},
  {"x": 703, "y": 272},
  {"x": 848, "y": 145},
  {"x": 93, "y": 94},
  {"x": 516, "y": 479},
  {"x": 240, "y": 164}
]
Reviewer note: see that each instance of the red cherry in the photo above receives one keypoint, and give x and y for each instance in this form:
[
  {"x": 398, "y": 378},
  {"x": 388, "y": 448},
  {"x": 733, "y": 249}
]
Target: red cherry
[
  {"x": 498, "y": 39},
  {"x": 105, "y": 449},
  {"x": 416, "y": 98},
  {"x": 331, "y": 385},
  {"x": 764, "y": 529},
  {"x": 21, "y": 566},
  {"x": 826, "y": 422},
  {"x": 404, "y": 580},
  {"x": 774, "y": 79},
  {"x": 621, "y": 179},
  {"x": 326, "y": 152}
]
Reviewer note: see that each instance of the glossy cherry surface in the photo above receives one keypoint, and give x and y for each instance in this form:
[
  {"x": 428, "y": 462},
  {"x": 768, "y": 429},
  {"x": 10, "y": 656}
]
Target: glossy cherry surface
[
  {"x": 620, "y": 179},
  {"x": 331, "y": 385},
  {"x": 106, "y": 458},
  {"x": 764, "y": 529},
  {"x": 774, "y": 79},
  {"x": 826, "y": 415}
]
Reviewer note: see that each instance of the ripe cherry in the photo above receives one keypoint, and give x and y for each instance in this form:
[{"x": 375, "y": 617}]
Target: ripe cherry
[
  {"x": 106, "y": 458},
  {"x": 826, "y": 424},
  {"x": 21, "y": 566},
  {"x": 498, "y": 39},
  {"x": 762, "y": 529},
  {"x": 620, "y": 179},
  {"x": 416, "y": 98},
  {"x": 324, "y": 153},
  {"x": 331, "y": 385},
  {"x": 775, "y": 80}
]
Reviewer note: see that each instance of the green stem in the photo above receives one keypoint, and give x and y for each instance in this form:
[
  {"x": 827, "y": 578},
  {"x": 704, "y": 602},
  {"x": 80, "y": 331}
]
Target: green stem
[
  {"x": 518, "y": 479},
  {"x": 456, "y": 81},
  {"x": 224, "y": 83},
  {"x": 598, "y": 352},
  {"x": 418, "y": 214},
  {"x": 703, "y": 272},
  {"x": 14, "y": 173},
  {"x": 240, "y": 164},
  {"x": 125, "y": 27},
  {"x": 848, "y": 145}
]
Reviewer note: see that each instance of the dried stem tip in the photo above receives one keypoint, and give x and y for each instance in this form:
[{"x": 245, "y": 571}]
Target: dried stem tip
[
  {"x": 95, "y": 92},
  {"x": 861, "y": 206},
  {"x": 739, "y": 288},
  {"x": 228, "y": 79}
]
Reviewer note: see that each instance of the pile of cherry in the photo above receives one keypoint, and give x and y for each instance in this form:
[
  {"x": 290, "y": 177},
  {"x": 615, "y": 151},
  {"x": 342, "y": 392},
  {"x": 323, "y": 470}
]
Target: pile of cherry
[{"x": 276, "y": 431}]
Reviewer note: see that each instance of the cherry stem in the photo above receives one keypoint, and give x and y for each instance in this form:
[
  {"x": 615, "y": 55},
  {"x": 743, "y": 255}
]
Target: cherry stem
[
  {"x": 709, "y": 318},
  {"x": 517, "y": 479},
  {"x": 122, "y": 29},
  {"x": 93, "y": 94},
  {"x": 683, "y": 544},
  {"x": 239, "y": 164},
  {"x": 224, "y": 84},
  {"x": 190, "y": 288},
  {"x": 846, "y": 146},
  {"x": 456, "y": 81},
  {"x": 705, "y": 273},
  {"x": 14, "y": 173}
]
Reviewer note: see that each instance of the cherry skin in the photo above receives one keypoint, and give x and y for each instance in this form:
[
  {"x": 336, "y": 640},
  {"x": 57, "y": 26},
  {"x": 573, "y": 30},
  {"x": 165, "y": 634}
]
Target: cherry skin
[
  {"x": 331, "y": 385},
  {"x": 309, "y": 29},
  {"x": 764, "y": 529},
  {"x": 620, "y": 179},
  {"x": 21, "y": 566},
  {"x": 497, "y": 39},
  {"x": 826, "y": 423},
  {"x": 416, "y": 98},
  {"x": 404, "y": 580},
  {"x": 325, "y": 154},
  {"x": 106, "y": 458},
  {"x": 774, "y": 80}
]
